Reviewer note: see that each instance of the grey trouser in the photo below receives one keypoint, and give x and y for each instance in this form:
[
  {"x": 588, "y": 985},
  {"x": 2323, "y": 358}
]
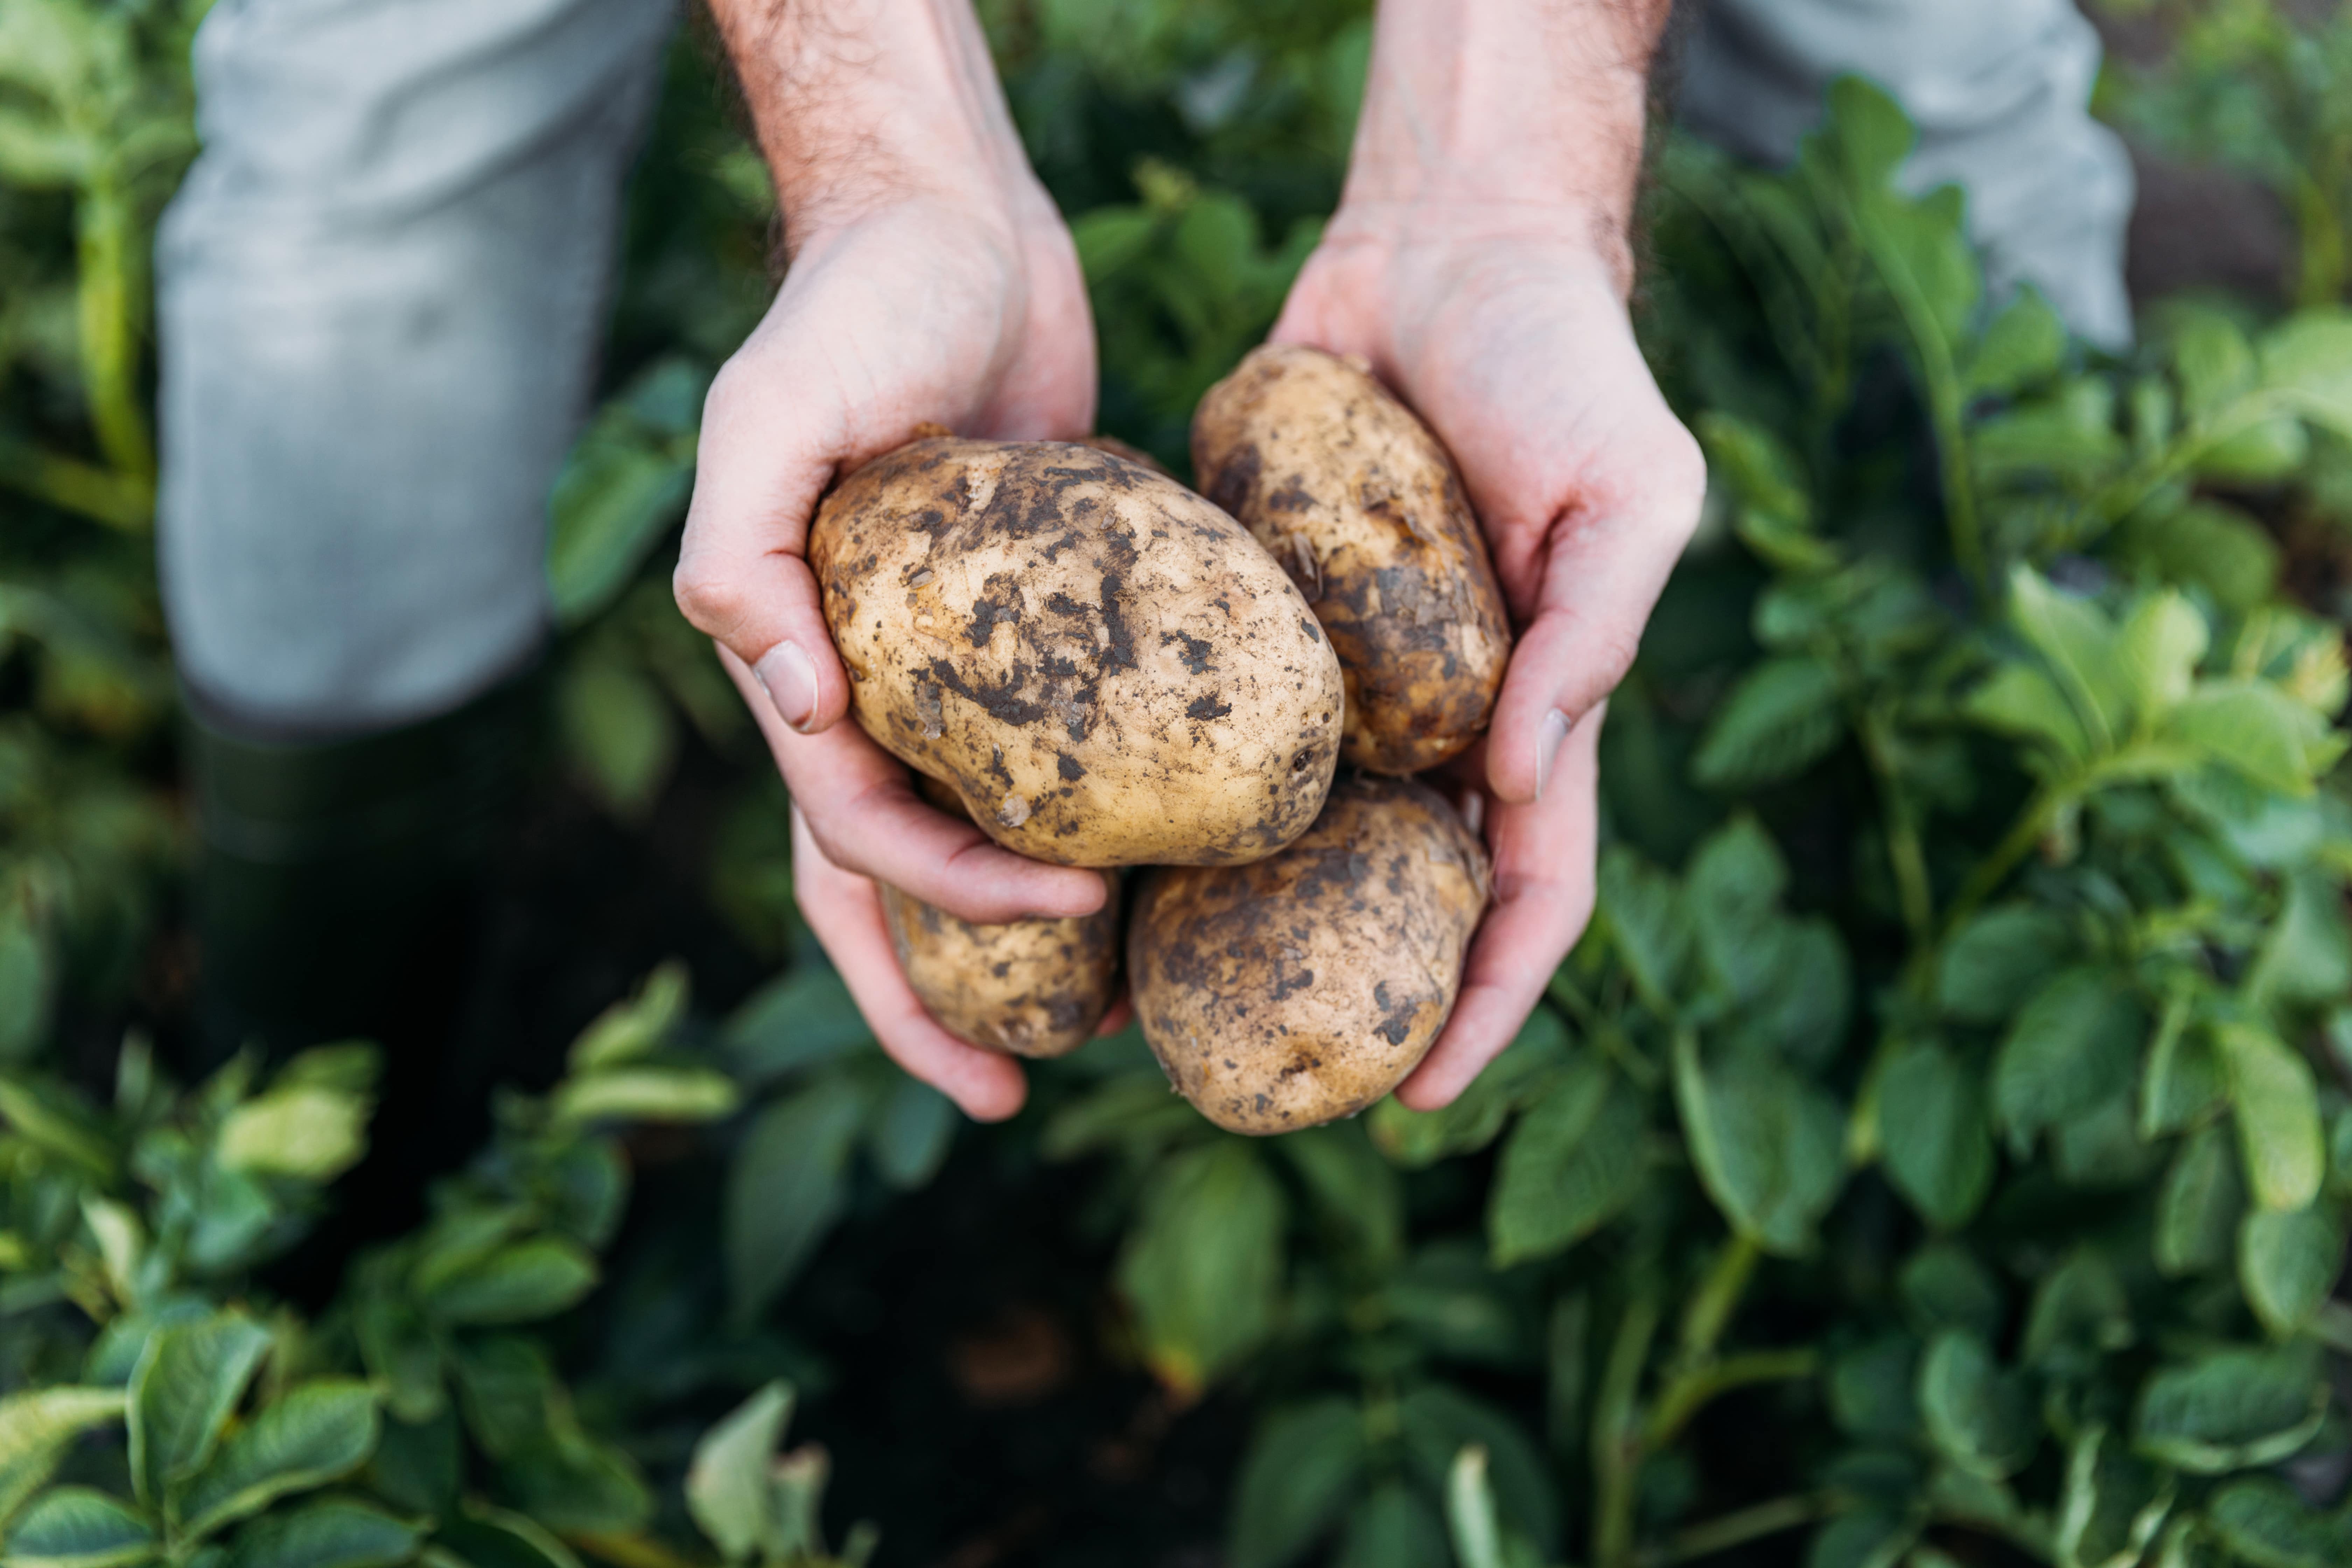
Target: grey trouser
[{"x": 382, "y": 291}]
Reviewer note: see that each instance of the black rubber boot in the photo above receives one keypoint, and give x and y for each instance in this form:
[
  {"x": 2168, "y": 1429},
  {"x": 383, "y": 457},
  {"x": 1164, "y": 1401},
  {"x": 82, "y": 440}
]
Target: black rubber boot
[{"x": 342, "y": 896}]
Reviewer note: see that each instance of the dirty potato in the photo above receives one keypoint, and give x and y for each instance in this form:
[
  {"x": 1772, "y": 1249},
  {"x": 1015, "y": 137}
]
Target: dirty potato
[
  {"x": 1357, "y": 499},
  {"x": 1031, "y": 988},
  {"x": 1102, "y": 664},
  {"x": 1305, "y": 987}
]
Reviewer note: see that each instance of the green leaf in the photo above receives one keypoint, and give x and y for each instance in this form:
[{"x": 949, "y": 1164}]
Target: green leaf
[
  {"x": 1733, "y": 884},
  {"x": 2080, "y": 1313},
  {"x": 676, "y": 1094},
  {"x": 2211, "y": 358},
  {"x": 2277, "y": 1107},
  {"x": 1415, "y": 1140},
  {"x": 56, "y": 1121},
  {"x": 1945, "y": 1286},
  {"x": 2161, "y": 643},
  {"x": 617, "y": 730},
  {"x": 417, "y": 1465},
  {"x": 2287, "y": 1264},
  {"x": 75, "y": 1527},
  {"x": 2309, "y": 357},
  {"x": 1865, "y": 1538},
  {"x": 2025, "y": 344},
  {"x": 1872, "y": 1389},
  {"x": 1782, "y": 718},
  {"x": 616, "y": 497},
  {"x": 302, "y": 1131},
  {"x": 1354, "y": 1195},
  {"x": 1768, "y": 1145},
  {"x": 1649, "y": 923},
  {"x": 1202, "y": 1266},
  {"x": 1392, "y": 1528},
  {"x": 2022, "y": 701},
  {"x": 2113, "y": 1506},
  {"x": 494, "y": 1538},
  {"x": 1936, "y": 1141},
  {"x": 28, "y": 982},
  {"x": 2199, "y": 1207},
  {"x": 1996, "y": 960},
  {"x": 36, "y": 1426},
  {"x": 1439, "y": 1421},
  {"x": 803, "y": 1020},
  {"x": 1303, "y": 1466},
  {"x": 335, "y": 1533},
  {"x": 729, "y": 1488},
  {"x": 1977, "y": 1415},
  {"x": 1573, "y": 1163},
  {"x": 912, "y": 1134},
  {"x": 2233, "y": 1409},
  {"x": 2074, "y": 1046},
  {"x": 787, "y": 1187},
  {"x": 2262, "y": 1523},
  {"x": 2183, "y": 1085},
  {"x": 1470, "y": 1514},
  {"x": 2306, "y": 959},
  {"x": 518, "y": 1284},
  {"x": 2081, "y": 645},
  {"x": 629, "y": 1030},
  {"x": 187, "y": 1384},
  {"x": 316, "y": 1433},
  {"x": 2257, "y": 730},
  {"x": 1757, "y": 466}
]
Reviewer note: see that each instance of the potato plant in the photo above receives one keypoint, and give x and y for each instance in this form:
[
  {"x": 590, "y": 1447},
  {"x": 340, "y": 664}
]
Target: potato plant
[{"x": 1938, "y": 1152}]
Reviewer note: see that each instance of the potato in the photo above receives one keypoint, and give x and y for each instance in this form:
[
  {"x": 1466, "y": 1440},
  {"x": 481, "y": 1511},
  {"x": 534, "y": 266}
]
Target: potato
[
  {"x": 1361, "y": 504},
  {"x": 1030, "y": 988},
  {"x": 1103, "y": 666},
  {"x": 1305, "y": 987}
]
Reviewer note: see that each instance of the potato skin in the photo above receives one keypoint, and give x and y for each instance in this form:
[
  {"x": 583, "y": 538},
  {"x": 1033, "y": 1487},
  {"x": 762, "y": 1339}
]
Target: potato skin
[
  {"x": 1361, "y": 503},
  {"x": 1103, "y": 666},
  {"x": 1029, "y": 988},
  {"x": 1306, "y": 986}
]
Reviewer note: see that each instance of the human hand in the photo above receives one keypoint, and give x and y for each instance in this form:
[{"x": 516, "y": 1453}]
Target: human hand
[
  {"x": 931, "y": 281},
  {"x": 1479, "y": 264}
]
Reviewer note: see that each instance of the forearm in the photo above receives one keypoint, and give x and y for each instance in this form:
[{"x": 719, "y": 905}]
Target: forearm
[
  {"x": 1509, "y": 112},
  {"x": 856, "y": 104}
]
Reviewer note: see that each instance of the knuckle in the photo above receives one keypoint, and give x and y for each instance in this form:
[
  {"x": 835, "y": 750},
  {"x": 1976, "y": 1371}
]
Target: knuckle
[{"x": 709, "y": 596}]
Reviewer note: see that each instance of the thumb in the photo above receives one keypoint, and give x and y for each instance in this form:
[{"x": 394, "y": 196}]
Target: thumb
[
  {"x": 1607, "y": 557},
  {"x": 763, "y": 464}
]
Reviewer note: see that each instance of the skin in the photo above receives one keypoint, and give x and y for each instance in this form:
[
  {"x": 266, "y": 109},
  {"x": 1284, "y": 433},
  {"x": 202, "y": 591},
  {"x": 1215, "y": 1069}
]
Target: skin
[
  {"x": 1360, "y": 503},
  {"x": 1478, "y": 262},
  {"x": 1095, "y": 659},
  {"x": 1303, "y": 987}
]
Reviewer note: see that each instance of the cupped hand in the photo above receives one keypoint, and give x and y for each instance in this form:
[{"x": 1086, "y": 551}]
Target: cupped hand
[
  {"x": 922, "y": 311},
  {"x": 1505, "y": 329}
]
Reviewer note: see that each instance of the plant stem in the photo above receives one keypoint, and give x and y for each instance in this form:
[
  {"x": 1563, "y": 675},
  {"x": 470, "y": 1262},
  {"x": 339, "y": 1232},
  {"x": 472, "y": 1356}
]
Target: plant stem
[
  {"x": 119, "y": 500},
  {"x": 1617, "y": 1436},
  {"x": 1994, "y": 869},
  {"x": 1905, "y": 855},
  {"x": 630, "y": 1550},
  {"x": 1691, "y": 1391},
  {"x": 1739, "y": 1528},
  {"x": 109, "y": 304},
  {"x": 1718, "y": 1294}
]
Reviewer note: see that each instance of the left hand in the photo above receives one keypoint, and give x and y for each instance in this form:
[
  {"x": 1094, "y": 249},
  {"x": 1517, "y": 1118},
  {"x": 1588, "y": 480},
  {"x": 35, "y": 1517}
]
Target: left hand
[{"x": 1505, "y": 329}]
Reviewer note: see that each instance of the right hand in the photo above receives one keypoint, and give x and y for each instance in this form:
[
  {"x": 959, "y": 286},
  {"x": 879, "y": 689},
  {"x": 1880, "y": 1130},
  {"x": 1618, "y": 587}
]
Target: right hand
[{"x": 917, "y": 312}]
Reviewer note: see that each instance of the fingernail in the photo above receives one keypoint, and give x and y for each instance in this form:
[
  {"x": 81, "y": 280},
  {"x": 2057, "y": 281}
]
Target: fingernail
[
  {"x": 1548, "y": 740},
  {"x": 789, "y": 678}
]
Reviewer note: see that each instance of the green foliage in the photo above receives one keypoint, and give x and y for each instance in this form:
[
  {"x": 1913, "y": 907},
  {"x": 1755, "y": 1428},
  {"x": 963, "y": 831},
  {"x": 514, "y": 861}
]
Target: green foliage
[{"x": 1951, "y": 1086}]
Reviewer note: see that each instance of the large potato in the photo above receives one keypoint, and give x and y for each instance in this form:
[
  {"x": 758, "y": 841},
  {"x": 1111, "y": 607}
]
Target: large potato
[
  {"x": 1305, "y": 987},
  {"x": 1360, "y": 502},
  {"x": 1032, "y": 988},
  {"x": 1102, "y": 664}
]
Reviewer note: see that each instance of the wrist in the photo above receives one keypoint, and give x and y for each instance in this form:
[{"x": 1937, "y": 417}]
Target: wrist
[
  {"x": 859, "y": 105},
  {"x": 1516, "y": 116}
]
